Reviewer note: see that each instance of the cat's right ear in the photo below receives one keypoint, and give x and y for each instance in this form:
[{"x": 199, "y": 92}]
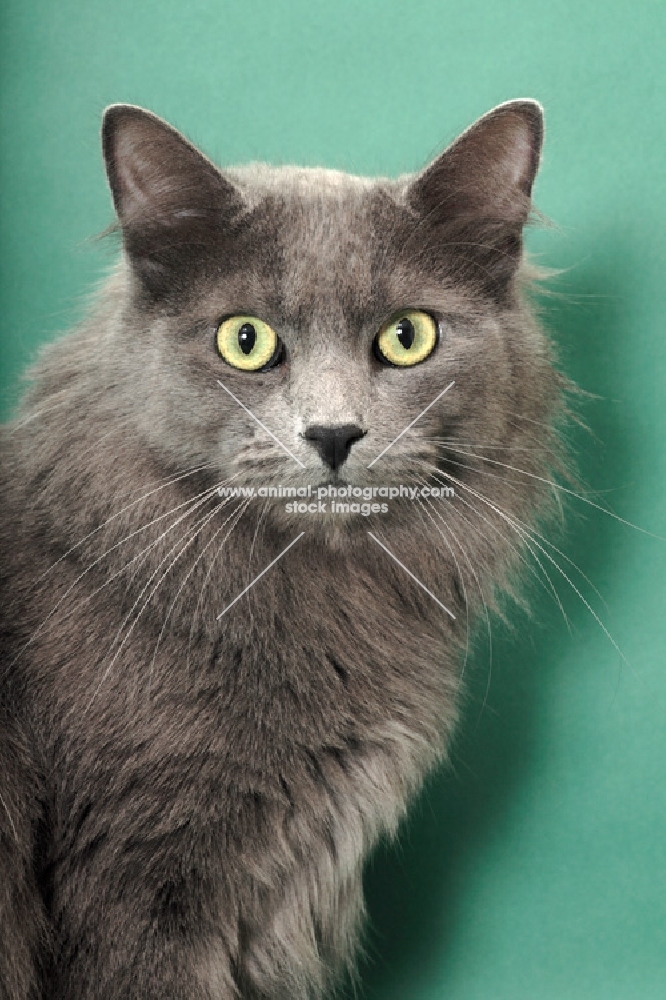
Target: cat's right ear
[{"x": 171, "y": 201}]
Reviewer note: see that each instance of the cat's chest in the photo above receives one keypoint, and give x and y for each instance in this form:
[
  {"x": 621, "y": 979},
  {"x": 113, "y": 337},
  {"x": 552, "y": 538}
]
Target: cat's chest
[
  {"x": 142, "y": 683},
  {"x": 271, "y": 702}
]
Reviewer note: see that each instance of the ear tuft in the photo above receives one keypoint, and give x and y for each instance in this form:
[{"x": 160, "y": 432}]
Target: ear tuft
[
  {"x": 489, "y": 170},
  {"x": 153, "y": 170},
  {"x": 475, "y": 198},
  {"x": 171, "y": 201}
]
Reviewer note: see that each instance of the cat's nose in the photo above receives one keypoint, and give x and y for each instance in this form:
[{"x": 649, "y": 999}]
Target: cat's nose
[{"x": 333, "y": 443}]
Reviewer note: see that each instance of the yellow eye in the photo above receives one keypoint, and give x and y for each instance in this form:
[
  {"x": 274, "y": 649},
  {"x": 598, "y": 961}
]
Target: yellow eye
[
  {"x": 247, "y": 342},
  {"x": 407, "y": 339}
]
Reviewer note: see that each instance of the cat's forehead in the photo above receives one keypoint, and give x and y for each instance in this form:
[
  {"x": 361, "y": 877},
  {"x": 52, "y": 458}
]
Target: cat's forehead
[
  {"x": 325, "y": 228},
  {"x": 305, "y": 184}
]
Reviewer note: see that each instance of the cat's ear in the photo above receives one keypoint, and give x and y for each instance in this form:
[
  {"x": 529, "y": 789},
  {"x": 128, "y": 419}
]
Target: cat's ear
[
  {"x": 481, "y": 184},
  {"x": 171, "y": 201}
]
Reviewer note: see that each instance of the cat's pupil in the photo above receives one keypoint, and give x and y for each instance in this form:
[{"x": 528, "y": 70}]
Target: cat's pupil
[
  {"x": 406, "y": 333},
  {"x": 247, "y": 336}
]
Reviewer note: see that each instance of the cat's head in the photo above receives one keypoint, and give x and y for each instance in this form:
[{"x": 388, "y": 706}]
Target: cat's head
[{"x": 285, "y": 325}]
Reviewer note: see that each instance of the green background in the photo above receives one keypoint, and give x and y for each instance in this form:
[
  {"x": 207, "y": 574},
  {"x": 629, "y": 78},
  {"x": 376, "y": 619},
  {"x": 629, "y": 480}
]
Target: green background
[{"x": 536, "y": 866}]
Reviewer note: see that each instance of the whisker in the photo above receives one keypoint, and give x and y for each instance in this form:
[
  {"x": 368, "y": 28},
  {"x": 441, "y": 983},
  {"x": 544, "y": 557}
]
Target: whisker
[
  {"x": 20, "y": 422},
  {"x": 526, "y": 538},
  {"x": 254, "y": 538},
  {"x": 450, "y": 442},
  {"x": 190, "y": 504},
  {"x": 533, "y": 531},
  {"x": 564, "y": 489},
  {"x": 553, "y": 561},
  {"x": 551, "y": 589},
  {"x": 119, "y": 513},
  {"x": 11, "y": 821},
  {"x": 249, "y": 558},
  {"x": 464, "y": 590},
  {"x": 203, "y": 588},
  {"x": 486, "y": 612},
  {"x": 242, "y": 508},
  {"x": 193, "y": 535}
]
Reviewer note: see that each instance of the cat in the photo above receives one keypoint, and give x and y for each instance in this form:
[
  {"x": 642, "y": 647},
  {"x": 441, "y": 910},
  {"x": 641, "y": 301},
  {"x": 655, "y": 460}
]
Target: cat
[{"x": 213, "y": 706}]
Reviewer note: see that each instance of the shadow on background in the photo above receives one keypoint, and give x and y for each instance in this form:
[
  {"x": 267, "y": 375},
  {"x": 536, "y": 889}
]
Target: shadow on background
[{"x": 414, "y": 888}]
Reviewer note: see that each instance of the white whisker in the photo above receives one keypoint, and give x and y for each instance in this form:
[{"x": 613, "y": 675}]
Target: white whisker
[
  {"x": 119, "y": 513},
  {"x": 203, "y": 587},
  {"x": 564, "y": 489},
  {"x": 242, "y": 507},
  {"x": 462, "y": 584},
  {"x": 191, "y": 538},
  {"x": 531, "y": 530},
  {"x": 191, "y": 505},
  {"x": 554, "y": 563}
]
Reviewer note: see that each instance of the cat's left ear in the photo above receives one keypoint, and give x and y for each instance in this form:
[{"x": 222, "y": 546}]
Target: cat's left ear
[
  {"x": 171, "y": 201},
  {"x": 479, "y": 189}
]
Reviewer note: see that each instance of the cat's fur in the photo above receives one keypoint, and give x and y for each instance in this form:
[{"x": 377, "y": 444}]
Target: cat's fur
[{"x": 186, "y": 801}]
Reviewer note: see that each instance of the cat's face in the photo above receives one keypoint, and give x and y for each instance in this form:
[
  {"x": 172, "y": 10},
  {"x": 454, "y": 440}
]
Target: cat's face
[{"x": 284, "y": 326}]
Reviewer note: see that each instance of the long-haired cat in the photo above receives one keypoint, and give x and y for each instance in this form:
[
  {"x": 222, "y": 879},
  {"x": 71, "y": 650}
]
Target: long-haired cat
[{"x": 212, "y": 706}]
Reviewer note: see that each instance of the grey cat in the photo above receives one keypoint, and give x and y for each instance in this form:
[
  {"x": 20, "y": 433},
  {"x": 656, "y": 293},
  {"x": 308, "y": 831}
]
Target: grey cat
[{"x": 190, "y": 780}]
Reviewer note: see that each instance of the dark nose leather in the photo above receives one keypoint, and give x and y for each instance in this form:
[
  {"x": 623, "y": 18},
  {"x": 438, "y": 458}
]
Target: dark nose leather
[{"x": 333, "y": 443}]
